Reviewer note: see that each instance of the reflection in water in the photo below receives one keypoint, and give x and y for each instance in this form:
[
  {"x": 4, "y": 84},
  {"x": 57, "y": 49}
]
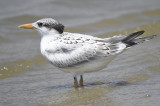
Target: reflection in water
[
  {"x": 92, "y": 93},
  {"x": 82, "y": 96},
  {"x": 88, "y": 85}
]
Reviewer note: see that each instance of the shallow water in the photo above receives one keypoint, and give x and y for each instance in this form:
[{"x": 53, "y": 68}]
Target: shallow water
[{"x": 132, "y": 78}]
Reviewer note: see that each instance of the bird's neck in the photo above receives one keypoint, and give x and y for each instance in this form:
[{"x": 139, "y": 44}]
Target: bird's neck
[
  {"x": 53, "y": 32},
  {"x": 46, "y": 32},
  {"x": 52, "y": 36}
]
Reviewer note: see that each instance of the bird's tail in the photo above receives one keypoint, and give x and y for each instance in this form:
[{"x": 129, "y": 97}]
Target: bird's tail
[{"x": 132, "y": 39}]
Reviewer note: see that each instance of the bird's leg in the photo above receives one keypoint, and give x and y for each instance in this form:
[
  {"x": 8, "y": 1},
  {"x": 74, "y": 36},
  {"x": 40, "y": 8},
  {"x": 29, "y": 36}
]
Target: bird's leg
[
  {"x": 75, "y": 82},
  {"x": 81, "y": 81}
]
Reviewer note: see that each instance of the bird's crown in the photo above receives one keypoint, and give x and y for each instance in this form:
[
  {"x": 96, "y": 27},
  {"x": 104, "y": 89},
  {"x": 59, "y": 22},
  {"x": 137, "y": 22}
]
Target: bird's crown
[{"x": 50, "y": 24}]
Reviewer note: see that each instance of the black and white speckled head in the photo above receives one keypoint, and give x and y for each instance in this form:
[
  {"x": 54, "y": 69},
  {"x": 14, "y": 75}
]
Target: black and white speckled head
[{"x": 48, "y": 26}]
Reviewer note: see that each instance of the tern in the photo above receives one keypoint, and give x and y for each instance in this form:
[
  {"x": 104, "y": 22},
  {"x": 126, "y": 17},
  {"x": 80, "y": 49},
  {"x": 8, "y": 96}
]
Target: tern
[{"x": 79, "y": 53}]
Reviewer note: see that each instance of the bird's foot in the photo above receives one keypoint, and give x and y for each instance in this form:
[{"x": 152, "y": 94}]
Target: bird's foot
[
  {"x": 75, "y": 83},
  {"x": 81, "y": 81}
]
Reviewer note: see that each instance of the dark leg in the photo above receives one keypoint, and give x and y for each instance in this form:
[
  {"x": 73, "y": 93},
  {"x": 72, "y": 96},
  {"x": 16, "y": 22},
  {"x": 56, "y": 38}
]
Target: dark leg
[
  {"x": 75, "y": 82},
  {"x": 81, "y": 81}
]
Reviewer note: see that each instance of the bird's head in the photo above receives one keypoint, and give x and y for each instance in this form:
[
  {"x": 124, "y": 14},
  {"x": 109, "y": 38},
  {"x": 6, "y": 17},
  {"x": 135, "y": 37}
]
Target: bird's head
[{"x": 45, "y": 26}]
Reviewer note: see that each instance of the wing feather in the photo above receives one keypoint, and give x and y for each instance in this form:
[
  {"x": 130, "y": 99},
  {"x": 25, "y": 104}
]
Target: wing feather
[{"x": 75, "y": 50}]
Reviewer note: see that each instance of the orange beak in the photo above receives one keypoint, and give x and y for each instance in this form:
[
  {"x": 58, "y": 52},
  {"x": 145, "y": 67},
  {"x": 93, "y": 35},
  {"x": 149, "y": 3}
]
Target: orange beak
[{"x": 27, "y": 26}]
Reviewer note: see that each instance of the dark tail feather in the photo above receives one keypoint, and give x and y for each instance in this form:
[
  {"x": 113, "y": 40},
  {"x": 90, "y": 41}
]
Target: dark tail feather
[
  {"x": 132, "y": 36},
  {"x": 132, "y": 39}
]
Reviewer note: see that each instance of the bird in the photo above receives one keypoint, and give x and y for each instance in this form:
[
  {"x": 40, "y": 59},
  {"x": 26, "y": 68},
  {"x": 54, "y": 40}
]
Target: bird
[{"x": 80, "y": 53}]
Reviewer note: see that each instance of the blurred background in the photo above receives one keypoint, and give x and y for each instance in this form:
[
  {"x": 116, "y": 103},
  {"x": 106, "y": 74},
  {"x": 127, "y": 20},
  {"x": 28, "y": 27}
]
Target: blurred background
[{"x": 26, "y": 78}]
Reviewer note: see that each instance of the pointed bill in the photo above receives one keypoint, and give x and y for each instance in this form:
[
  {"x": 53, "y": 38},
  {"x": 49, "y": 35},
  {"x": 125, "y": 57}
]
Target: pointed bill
[{"x": 27, "y": 26}]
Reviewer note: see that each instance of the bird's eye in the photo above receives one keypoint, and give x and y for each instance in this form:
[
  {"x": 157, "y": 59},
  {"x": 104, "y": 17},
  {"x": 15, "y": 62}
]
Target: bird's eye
[{"x": 40, "y": 24}]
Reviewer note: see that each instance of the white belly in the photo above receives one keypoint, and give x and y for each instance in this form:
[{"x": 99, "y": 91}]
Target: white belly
[{"x": 91, "y": 66}]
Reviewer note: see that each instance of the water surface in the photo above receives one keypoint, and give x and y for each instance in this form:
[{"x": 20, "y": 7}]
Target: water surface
[{"x": 132, "y": 78}]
